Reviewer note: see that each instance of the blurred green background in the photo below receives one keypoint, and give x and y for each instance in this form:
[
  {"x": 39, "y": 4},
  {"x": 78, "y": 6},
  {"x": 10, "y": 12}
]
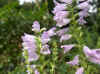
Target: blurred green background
[{"x": 15, "y": 20}]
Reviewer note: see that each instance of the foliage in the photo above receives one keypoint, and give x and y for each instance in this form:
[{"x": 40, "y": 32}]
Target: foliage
[{"x": 14, "y": 21}]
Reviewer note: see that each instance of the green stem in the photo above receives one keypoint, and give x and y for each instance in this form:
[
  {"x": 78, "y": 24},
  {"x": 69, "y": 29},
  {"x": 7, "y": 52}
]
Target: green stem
[{"x": 54, "y": 58}]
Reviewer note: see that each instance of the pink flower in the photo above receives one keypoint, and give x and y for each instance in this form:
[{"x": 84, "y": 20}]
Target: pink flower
[
  {"x": 79, "y": 70},
  {"x": 62, "y": 31},
  {"x": 29, "y": 44},
  {"x": 60, "y": 18},
  {"x": 51, "y": 32},
  {"x": 67, "y": 48},
  {"x": 36, "y": 71},
  {"x": 65, "y": 37},
  {"x": 84, "y": 5},
  {"x": 92, "y": 55},
  {"x": 75, "y": 61},
  {"x": 60, "y": 14},
  {"x": 45, "y": 38},
  {"x": 59, "y": 7},
  {"x": 55, "y": 2},
  {"x": 33, "y": 56},
  {"x": 36, "y": 26},
  {"x": 87, "y": 51},
  {"x": 84, "y": 13},
  {"x": 63, "y": 22}
]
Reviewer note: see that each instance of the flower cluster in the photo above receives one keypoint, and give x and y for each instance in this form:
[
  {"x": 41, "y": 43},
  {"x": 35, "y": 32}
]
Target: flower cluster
[
  {"x": 61, "y": 13},
  {"x": 30, "y": 42},
  {"x": 38, "y": 45},
  {"x": 84, "y": 7}
]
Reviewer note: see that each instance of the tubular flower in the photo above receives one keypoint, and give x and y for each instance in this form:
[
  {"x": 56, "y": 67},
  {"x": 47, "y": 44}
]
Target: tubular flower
[
  {"x": 45, "y": 38},
  {"x": 51, "y": 32},
  {"x": 29, "y": 44},
  {"x": 36, "y": 26},
  {"x": 65, "y": 37},
  {"x": 92, "y": 55},
  {"x": 60, "y": 18},
  {"x": 67, "y": 48},
  {"x": 62, "y": 31},
  {"x": 75, "y": 61},
  {"x": 59, "y": 7},
  {"x": 84, "y": 6},
  {"x": 79, "y": 70},
  {"x": 36, "y": 71},
  {"x": 61, "y": 14}
]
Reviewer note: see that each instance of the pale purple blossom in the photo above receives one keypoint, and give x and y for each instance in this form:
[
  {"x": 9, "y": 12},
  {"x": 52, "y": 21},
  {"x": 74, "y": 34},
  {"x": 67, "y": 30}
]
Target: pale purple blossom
[
  {"x": 28, "y": 37},
  {"x": 84, "y": 13},
  {"x": 96, "y": 53},
  {"x": 61, "y": 14},
  {"x": 75, "y": 61},
  {"x": 55, "y": 2},
  {"x": 62, "y": 31},
  {"x": 45, "y": 49},
  {"x": 36, "y": 71},
  {"x": 36, "y": 26},
  {"x": 45, "y": 38},
  {"x": 51, "y": 32},
  {"x": 60, "y": 18},
  {"x": 32, "y": 56},
  {"x": 67, "y": 48},
  {"x": 80, "y": 70},
  {"x": 63, "y": 22},
  {"x": 92, "y": 55},
  {"x": 94, "y": 60},
  {"x": 59, "y": 7},
  {"x": 65, "y": 37},
  {"x": 87, "y": 51},
  {"x": 84, "y": 5},
  {"x": 29, "y": 44}
]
